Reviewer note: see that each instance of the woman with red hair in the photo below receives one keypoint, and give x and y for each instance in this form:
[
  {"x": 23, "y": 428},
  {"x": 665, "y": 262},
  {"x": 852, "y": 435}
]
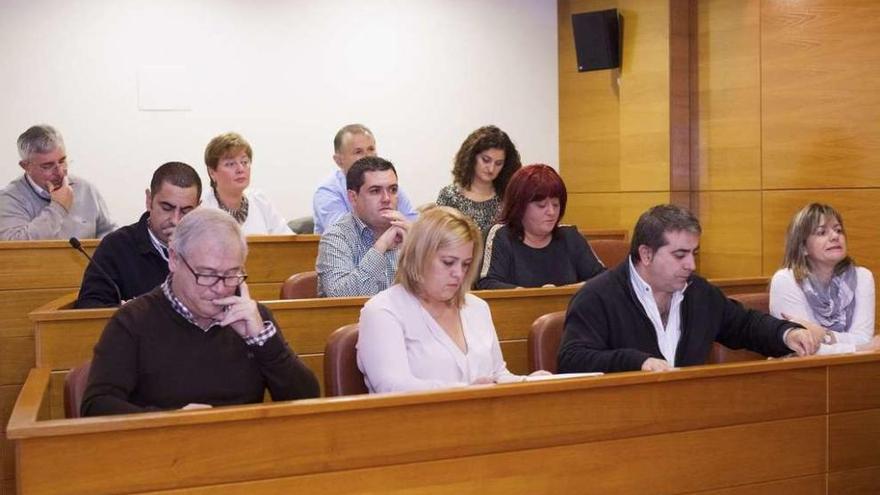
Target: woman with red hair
[{"x": 529, "y": 248}]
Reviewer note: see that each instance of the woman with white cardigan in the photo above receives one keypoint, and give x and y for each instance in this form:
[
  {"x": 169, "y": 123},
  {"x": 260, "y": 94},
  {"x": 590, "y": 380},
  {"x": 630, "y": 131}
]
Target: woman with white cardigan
[{"x": 819, "y": 283}]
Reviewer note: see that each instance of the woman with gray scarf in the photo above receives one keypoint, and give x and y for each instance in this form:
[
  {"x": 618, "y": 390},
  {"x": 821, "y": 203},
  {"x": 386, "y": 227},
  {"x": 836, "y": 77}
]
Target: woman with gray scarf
[{"x": 821, "y": 284}]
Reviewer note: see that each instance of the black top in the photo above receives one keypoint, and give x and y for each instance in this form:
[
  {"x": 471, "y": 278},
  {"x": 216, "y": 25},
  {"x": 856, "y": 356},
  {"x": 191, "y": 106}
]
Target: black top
[
  {"x": 150, "y": 358},
  {"x": 607, "y": 329},
  {"x": 508, "y": 262},
  {"x": 131, "y": 260}
]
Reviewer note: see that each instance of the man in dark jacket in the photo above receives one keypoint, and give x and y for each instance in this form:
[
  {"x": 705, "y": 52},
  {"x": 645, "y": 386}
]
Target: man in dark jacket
[
  {"x": 653, "y": 313},
  {"x": 135, "y": 257}
]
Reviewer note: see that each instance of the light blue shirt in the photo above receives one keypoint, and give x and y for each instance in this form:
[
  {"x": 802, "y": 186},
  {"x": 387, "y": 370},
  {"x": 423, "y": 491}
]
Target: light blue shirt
[{"x": 331, "y": 202}]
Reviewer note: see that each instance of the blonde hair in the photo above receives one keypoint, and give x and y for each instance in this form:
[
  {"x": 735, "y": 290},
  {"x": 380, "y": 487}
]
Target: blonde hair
[
  {"x": 437, "y": 228},
  {"x": 801, "y": 227}
]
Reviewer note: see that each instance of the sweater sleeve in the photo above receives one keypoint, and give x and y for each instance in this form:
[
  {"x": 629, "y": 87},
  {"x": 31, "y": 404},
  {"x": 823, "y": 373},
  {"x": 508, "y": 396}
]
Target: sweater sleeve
[
  {"x": 113, "y": 375},
  {"x": 286, "y": 376},
  {"x": 96, "y": 291},
  {"x": 586, "y": 341},
  {"x": 497, "y": 261},
  {"x": 750, "y": 329},
  {"x": 16, "y": 223}
]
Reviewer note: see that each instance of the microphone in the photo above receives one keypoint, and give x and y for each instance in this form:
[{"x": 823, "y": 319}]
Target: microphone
[{"x": 74, "y": 242}]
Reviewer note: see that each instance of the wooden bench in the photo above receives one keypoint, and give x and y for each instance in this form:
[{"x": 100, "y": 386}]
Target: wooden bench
[{"x": 807, "y": 426}]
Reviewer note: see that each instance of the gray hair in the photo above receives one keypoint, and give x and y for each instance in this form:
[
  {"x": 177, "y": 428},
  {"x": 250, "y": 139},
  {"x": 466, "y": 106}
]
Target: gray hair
[
  {"x": 206, "y": 223},
  {"x": 41, "y": 138}
]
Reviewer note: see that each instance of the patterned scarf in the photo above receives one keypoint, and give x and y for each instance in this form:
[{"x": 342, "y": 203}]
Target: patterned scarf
[{"x": 833, "y": 305}]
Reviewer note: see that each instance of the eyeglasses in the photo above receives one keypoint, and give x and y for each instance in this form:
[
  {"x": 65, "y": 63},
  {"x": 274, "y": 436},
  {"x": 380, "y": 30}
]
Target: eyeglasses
[
  {"x": 208, "y": 280},
  {"x": 49, "y": 167}
]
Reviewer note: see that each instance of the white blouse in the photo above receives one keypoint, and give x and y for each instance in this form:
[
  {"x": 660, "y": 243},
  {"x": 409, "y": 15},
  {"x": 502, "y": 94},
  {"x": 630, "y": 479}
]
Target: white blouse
[
  {"x": 786, "y": 296},
  {"x": 262, "y": 217},
  {"x": 402, "y": 348}
]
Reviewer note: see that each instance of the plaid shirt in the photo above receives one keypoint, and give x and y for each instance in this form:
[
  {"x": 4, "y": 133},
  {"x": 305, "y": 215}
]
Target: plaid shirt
[
  {"x": 347, "y": 263},
  {"x": 259, "y": 339}
]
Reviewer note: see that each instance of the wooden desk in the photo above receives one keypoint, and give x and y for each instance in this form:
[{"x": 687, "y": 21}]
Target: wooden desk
[
  {"x": 65, "y": 338},
  {"x": 33, "y": 273},
  {"x": 793, "y": 426}
]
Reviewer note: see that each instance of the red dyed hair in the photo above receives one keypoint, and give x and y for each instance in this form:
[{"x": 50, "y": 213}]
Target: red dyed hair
[{"x": 531, "y": 183}]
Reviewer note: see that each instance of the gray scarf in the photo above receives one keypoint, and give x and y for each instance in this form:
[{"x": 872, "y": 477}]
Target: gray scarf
[{"x": 833, "y": 305}]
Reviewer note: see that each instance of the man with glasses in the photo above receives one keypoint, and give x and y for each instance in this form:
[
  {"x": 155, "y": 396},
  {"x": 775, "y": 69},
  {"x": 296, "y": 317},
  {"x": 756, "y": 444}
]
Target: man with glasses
[
  {"x": 47, "y": 203},
  {"x": 198, "y": 340}
]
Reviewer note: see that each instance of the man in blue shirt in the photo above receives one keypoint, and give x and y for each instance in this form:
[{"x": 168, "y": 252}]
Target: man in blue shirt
[{"x": 331, "y": 201}]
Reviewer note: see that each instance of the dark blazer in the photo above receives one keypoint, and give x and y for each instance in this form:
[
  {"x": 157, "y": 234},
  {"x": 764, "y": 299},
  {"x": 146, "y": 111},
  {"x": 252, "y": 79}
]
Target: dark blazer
[
  {"x": 128, "y": 255},
  {"x": 607, "y": 329}
]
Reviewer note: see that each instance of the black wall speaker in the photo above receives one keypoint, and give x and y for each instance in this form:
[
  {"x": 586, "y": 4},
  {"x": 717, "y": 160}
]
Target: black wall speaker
[{"x": 597, "y": 39}]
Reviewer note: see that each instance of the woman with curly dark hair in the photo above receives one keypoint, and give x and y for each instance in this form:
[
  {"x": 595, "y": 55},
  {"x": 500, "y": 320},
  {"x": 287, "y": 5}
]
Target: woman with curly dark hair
[{"x": 483, "y": 166}]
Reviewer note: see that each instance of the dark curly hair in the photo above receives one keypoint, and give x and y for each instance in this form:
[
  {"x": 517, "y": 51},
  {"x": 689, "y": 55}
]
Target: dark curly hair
[{"x": 483, "y": 139}]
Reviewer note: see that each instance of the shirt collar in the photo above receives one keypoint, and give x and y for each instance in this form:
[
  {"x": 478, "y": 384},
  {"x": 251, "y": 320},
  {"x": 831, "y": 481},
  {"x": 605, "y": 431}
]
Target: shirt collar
[
  {"x": 365, "y": 233},
  {"x": 179, "y": 307},
  {"x": 160, "y": 246},
  {"x": 37, "y": 189},
  {"x": 642, "y": 287}
]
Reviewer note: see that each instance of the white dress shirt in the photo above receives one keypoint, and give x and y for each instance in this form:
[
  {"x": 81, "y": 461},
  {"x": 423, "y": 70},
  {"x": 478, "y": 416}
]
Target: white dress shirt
[
  {"x": 402, "y": 348},
  {"x": 262, "y": 217},
  {"x": 667, "y": 337}
]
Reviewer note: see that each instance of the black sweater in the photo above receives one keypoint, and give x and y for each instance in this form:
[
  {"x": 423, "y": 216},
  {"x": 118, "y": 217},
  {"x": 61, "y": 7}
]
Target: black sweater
[
  {"x": 508, "y": 262},
  {"x": 607, "y": 329},
  {"x": 131, "y": 260},
  {"x": 151, "y": 358}
]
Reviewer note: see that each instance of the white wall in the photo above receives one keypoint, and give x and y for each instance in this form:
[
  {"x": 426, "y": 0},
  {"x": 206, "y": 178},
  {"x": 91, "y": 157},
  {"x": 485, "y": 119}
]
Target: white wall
[{"x": 286, "y": 74}]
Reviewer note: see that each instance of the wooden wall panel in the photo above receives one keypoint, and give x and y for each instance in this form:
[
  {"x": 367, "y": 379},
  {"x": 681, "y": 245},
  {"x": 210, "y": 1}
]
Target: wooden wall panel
[
  {"x": 731, "y": 242},
  {"x": 614, "y": 136},
  {"x": 854, "y": 438},
  {"x": 854, "y": 482},
  {"x": 844, "y": 397},
  {"x": 589, "y": 131},
  {"x": 610, "y": 210},
  {"x": 16, "y": 359},
  {"x": 808, "y": 485},
  {"x": 820, "y": 76},
  {"x": 644, "y": 96},
  {"x": 856, "y": 207},
  {"x": 675, "y": 462},
  {"x": 729, "y": 94},
  {"x": 8, "y": 393}
]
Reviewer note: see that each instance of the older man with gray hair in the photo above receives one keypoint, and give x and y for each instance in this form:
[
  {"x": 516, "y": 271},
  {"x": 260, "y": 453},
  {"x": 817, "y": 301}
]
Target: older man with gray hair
[
  {"x": 197, "y": 340},
  {"x": 46, "y": 203}
]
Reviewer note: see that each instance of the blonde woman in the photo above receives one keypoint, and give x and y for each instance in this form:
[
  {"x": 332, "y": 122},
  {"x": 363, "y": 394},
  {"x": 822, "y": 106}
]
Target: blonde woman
[
  {"x": 819, "y": 283},
  {"x": 426, "y": 331}
]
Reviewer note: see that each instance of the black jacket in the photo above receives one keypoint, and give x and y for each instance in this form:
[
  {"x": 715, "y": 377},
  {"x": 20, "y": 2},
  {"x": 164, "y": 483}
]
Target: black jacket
[
  {"x": 607, "y": 329},
  {"x": 130, "y": 258}
]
